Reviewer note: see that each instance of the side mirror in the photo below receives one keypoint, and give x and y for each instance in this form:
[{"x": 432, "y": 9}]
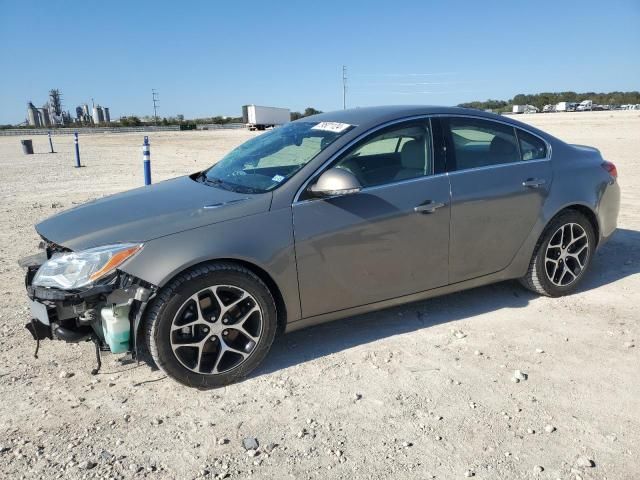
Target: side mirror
[{"x": 335, "y": 181}]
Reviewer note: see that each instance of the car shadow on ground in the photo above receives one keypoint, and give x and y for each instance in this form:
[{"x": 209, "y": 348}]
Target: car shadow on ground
[{"x": 617, "y": 259}]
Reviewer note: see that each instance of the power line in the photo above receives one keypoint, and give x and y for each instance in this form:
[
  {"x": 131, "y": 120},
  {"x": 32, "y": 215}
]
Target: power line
[
  {"x": 407, "y": 84},
  {"x": 405, "y": 74},
  {"x": 155, "y": 97}
]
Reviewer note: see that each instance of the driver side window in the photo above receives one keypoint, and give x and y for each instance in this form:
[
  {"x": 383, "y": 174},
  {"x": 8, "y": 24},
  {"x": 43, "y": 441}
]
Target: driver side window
[{"x": 395, "y": 154}]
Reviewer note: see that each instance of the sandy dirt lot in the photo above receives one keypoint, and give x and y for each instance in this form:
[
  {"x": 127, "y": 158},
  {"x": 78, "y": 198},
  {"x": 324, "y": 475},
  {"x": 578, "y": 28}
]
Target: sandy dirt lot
[{"x": 422, "y": 391}]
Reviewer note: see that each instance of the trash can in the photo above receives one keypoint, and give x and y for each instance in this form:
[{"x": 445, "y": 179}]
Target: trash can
[{"x": 27, "y": 147}]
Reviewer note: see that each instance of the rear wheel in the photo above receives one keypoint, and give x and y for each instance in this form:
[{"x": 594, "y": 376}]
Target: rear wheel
[
  {"x": 211, "y": 326},
  {"x": 562, "y": 255}
]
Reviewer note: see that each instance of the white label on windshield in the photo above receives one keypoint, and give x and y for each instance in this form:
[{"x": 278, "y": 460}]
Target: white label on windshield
[
  {"x": 277, "y": 178},
  {"x": 331, "y": 127}
]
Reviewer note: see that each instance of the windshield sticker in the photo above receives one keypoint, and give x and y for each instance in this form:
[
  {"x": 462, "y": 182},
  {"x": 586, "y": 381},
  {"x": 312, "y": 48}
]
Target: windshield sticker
[
  {"x": 331, "y": 127},
  {"x": 277, "y": 178}
]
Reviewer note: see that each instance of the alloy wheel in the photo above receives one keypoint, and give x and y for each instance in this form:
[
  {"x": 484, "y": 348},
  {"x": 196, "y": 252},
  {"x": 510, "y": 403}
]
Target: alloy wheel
[
  {"x": 567, "y": 254},
  {"x": 216, "y": 329}
]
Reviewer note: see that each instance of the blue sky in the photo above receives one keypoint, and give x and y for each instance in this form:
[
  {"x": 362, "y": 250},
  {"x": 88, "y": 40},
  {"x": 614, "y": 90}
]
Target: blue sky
[{"x": 207, "y": 58}]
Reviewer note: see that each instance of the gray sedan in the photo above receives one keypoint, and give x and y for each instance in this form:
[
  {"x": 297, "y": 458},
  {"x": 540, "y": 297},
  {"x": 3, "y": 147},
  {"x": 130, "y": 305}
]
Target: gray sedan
[{"x": 329, "y": 216}]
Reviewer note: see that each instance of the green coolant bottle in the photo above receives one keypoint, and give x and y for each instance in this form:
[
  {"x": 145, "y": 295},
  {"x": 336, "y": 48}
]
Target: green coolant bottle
[{"x": 116, "y": 327}]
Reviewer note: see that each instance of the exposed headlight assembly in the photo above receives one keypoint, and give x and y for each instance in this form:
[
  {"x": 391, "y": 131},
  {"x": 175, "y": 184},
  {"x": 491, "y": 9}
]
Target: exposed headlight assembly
[{"x": 70, "y": 271}]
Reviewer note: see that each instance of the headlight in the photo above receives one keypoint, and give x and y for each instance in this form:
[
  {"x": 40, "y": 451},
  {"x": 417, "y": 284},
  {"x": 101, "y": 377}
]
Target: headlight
[{"x": 69, "y": 271}]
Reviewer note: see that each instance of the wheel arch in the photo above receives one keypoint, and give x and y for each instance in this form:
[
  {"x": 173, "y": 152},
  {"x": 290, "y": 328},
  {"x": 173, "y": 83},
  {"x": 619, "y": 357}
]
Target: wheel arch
[
  {"x": 585, "y": 210},
  {"x": 261, "y": 273},
  {"x": 522, "y": 259},
  {"x": 532, "y": 279}
]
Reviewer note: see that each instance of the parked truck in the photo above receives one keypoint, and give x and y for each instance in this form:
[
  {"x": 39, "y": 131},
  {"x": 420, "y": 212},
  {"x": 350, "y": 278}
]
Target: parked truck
[
  {"x": 259, "y": 118},
  {"x": 566, "y": 107},
  {"x": 585, "y": 105},
  {"x": 525, "y": 109}
]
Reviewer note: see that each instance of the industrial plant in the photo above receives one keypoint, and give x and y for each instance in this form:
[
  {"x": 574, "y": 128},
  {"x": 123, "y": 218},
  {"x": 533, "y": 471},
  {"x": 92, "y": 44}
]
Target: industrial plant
[{"x": 52, "y": 115}]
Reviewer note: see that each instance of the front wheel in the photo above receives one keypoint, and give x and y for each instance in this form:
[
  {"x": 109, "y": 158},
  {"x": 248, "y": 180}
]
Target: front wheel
[
  {"x": 562, "y": 255},
  {"x": 211, "y": 326}
]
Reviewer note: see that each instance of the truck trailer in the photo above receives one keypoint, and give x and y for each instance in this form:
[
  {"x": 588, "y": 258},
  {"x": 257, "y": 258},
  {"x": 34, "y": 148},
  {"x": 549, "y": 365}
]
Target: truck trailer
[
  {"x": 525, "y": 109},
  {"x": 566, "y": 107},
  {"x": 259, "y": 118},
  {"x": 585, "y": 105}
]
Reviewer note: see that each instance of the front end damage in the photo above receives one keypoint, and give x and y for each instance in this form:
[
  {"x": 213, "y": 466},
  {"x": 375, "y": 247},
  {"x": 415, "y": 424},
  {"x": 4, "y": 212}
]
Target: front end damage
[{"x": 108, "y": 312}]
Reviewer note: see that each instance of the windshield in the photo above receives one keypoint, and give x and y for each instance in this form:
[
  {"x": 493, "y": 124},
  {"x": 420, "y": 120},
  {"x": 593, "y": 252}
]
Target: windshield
[{"x": 267, "y": 161}]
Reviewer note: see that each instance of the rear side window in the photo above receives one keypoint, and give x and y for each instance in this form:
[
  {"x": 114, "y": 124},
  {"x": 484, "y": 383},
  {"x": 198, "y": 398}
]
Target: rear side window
[
  {"x": 481, "y": 143},
  {"x": 531, "y": 147}
]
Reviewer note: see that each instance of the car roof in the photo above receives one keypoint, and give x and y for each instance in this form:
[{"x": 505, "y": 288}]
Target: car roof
[
  {"x": 363, "y": 116},
  {"x": 368, "y": 117}
]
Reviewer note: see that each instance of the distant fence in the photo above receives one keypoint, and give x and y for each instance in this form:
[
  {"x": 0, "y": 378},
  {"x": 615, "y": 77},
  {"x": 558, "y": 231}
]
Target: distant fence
[
  {"x": 89, "y": 131},
  {"x": 219, "y": 126},
  {"x": 86, "y": 131}
]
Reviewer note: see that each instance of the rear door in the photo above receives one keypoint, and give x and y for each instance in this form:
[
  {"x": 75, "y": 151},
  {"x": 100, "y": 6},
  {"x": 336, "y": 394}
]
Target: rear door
[
  {"x": 500, "y": 177},
  {"x": 389, "y": 240}
]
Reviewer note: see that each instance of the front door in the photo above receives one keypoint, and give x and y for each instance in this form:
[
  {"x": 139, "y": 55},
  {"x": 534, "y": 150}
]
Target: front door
[
  {"x": 389, "y": 240},
  {"x": 500, "y": 177}
]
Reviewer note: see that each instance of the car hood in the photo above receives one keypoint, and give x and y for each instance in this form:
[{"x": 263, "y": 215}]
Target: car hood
[{"x": 149, "y": 212}]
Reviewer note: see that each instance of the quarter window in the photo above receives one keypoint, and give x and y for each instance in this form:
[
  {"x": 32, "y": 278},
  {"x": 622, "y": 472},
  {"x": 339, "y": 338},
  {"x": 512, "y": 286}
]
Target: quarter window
[
  {"x": 399, "y": 153},
  {"x": 531, "y": 147},
  {"x": 480, "y": 143}
]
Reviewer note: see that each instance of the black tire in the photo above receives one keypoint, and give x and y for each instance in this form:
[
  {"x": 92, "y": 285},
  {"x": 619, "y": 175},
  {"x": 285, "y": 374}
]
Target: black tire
[
  {"x": 537, "y": 279},
  {"x": 161, "y": 312}
]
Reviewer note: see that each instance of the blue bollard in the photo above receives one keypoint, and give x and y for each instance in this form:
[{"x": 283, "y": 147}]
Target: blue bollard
[
  {"x": 50, "y": 143},
  {"x": 146, "y": 160},
  {"x": 75, "y": 140}
]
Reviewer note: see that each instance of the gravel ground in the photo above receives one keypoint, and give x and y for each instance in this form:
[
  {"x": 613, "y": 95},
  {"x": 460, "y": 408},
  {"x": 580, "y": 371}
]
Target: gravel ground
[{"x": 427, "y": 390}]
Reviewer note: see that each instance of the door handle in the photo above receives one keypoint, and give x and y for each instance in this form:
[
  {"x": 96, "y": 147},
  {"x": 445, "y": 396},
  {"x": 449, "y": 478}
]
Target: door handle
[
  {"x": 533, "y": 182},
  {"x": 428, "y": 207}
]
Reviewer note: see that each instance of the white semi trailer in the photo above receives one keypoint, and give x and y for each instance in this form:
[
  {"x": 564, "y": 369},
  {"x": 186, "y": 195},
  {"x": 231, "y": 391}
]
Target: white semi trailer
[
  {"x": 525, "y": 109},
  {"x": 259, "y": 118},
  {"x": 585, "y": 105}
]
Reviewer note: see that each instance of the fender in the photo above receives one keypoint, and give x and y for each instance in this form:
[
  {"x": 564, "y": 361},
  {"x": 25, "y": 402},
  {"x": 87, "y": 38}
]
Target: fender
[{"x": 264, "y": 240}]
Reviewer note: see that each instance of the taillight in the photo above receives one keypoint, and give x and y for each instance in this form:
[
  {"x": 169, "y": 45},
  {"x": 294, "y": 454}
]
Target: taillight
[{"x": 611, "y": 168}]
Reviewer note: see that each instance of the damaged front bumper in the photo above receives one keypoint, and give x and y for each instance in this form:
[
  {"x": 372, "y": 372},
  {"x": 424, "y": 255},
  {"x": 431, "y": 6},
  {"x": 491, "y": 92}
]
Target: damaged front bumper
[{"x": 108, "y": 313}]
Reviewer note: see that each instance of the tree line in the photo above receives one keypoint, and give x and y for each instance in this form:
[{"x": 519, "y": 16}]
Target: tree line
[
  {"x": 541, "y": 99},
  {"x": 185, "y": 124},
  {"x": 307, "y": 113},
  {"x": 134, "y": 121}
]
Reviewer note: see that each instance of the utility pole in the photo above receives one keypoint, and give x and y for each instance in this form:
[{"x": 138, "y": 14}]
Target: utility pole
[
  {"x": 154, "y": 95},
  {"x": 344, "y": 87}
]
